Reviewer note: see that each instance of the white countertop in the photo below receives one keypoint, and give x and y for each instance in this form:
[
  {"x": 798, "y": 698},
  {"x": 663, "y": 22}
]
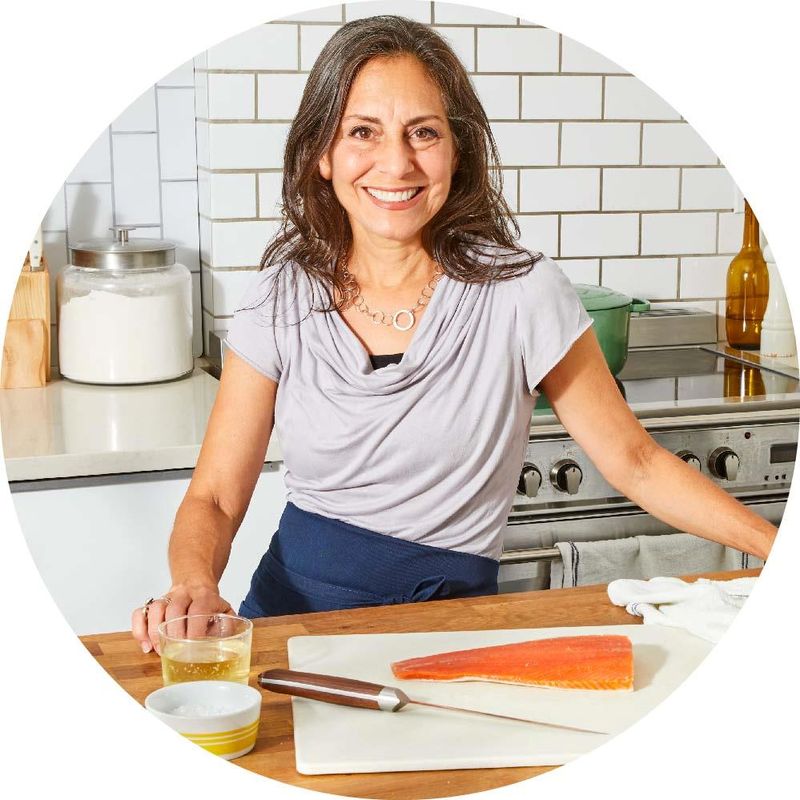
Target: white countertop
[{"x": 67, "y": 430}]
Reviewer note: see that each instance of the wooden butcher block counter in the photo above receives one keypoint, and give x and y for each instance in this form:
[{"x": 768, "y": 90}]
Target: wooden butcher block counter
[{"x": 273, "y": 754}]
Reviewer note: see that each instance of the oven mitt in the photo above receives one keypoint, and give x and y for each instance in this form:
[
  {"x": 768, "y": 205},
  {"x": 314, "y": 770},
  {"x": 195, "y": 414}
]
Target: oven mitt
[{"x": 705, "y": 608}]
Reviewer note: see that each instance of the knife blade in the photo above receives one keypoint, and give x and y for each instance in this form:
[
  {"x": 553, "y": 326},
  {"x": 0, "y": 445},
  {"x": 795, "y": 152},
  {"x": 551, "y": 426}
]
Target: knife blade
[{"x": 362, "y": 694}]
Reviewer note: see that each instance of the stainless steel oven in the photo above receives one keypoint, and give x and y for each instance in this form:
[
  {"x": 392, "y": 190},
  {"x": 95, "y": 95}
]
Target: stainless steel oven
[{"x": 730, "y": 414}]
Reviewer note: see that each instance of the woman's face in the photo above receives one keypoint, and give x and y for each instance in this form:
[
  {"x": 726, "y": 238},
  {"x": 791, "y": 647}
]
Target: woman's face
[{"x": 392, "y": 159}]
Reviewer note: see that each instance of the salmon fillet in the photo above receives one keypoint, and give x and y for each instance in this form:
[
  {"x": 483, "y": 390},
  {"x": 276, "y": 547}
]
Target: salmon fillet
[{"x": 564, "y": 662}]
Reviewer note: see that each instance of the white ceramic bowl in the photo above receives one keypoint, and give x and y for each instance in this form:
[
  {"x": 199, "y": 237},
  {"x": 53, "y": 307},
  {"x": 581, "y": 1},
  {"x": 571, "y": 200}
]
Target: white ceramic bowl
[{"x": 221, "y": 716}]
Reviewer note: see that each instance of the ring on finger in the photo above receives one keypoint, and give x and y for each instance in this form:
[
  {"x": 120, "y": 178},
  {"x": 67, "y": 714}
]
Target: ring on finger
[{"x": 146, "y": 607}]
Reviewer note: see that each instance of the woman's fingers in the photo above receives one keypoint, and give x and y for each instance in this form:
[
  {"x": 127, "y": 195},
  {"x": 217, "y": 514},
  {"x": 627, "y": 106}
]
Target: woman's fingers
[
  {"x": 144, "y": 624},
  {"x": 139, "y": 628}
]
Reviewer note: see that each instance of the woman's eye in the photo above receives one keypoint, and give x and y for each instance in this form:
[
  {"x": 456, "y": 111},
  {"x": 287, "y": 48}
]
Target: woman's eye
[
  {"x": 425, "y": 134},
  {"x": 361, "y": 132}
]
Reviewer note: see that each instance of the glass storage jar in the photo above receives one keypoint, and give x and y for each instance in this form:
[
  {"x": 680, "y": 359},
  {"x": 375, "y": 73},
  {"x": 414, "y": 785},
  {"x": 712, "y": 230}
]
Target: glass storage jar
[{"x": 124, "y": 312}]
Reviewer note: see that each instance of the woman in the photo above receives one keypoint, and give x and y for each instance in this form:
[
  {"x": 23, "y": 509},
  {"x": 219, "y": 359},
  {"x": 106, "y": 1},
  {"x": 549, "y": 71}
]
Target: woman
[{"x": 400, "y": 337}]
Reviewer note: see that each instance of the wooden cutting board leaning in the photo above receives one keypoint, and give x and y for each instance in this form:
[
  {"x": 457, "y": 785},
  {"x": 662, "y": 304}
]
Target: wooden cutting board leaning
[
  {"x": 332, "y": 739},
  {"x": 26, "y": 349}
]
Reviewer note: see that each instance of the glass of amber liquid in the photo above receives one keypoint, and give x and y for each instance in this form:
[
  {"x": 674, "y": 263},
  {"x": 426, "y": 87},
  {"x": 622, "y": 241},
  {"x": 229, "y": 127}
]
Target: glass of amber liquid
[{"x": 205, "y": 647}]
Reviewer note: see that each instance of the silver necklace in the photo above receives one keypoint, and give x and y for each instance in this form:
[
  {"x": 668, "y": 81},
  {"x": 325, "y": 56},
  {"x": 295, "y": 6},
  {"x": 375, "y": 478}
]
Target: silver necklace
[{"x": 407, "y": 315}]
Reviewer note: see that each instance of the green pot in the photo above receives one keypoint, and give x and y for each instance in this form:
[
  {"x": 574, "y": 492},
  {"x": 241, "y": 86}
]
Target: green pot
[{"x": 611, "y": 312}]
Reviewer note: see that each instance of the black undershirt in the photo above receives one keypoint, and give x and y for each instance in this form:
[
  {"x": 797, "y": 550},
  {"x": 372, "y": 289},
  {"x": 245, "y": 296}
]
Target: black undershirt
[{"x": 384, "y": 360}]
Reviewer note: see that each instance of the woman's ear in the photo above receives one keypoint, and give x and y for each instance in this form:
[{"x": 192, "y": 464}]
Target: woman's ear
[{"x": 325, "y": 167}]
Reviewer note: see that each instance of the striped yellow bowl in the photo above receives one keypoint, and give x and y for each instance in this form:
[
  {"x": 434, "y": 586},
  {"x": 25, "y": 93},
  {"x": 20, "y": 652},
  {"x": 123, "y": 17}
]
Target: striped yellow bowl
[{"x": 221, "y": 716}]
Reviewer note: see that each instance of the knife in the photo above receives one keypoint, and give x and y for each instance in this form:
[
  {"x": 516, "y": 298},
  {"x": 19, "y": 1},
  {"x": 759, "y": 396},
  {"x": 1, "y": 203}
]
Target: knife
[{"x": 361, "y": 694}]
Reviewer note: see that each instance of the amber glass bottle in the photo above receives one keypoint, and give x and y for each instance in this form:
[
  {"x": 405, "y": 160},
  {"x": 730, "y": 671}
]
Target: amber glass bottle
[{"x": 747, "y": 289}]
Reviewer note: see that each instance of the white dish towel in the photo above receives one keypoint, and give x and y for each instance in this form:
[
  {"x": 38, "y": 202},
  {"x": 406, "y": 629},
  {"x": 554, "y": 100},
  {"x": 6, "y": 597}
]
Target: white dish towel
[{"x": 705, "y": 608}]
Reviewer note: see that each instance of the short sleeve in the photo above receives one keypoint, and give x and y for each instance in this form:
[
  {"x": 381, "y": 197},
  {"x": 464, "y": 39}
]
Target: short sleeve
[
  {"x": 252, "y": 334},
  {"x": 550, "y": 317}
]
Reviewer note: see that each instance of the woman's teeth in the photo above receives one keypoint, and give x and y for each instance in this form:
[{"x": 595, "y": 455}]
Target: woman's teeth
[{"x": 393, "y": 197}]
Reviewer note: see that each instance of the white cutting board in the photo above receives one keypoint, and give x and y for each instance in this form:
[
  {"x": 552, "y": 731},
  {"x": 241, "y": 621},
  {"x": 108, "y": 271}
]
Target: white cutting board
[{"x": 331, "y": 739}]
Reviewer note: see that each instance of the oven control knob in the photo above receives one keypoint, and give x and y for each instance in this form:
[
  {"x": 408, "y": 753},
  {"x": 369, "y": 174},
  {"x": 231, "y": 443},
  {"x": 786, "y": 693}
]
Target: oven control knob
[
  {"x": 566, "y": 476},
  {"x": 690, "y": 458},
  {"x": 724, "y": 463},
  {"x": 530, "y": 479}
]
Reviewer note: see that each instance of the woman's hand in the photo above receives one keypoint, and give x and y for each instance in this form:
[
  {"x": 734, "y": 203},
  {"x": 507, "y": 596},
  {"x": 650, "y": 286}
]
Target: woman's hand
[{"x": 180, "y": 600}]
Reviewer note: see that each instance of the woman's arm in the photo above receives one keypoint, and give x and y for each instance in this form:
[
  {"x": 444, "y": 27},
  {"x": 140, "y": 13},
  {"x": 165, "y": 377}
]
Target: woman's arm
[
  {"x": 230, "y": 461},
  {"x": 584, "y": 396}
]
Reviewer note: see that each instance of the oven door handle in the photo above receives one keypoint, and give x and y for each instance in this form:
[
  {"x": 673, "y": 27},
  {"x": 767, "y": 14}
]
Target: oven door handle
[{"x": 530, "y": 554}]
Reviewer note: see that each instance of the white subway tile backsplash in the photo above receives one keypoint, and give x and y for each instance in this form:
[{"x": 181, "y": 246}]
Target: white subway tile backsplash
[
  {"x": 599, "y": 235},
  {"x": 597, "y": 143},
  {"x": 562, "y": 97},
  {"x": 269, "y": 194},
  {"x": 179, "y": 212},
  {"x": 710, "y": 187},
  {"x": 229, "y": 289},
  {"x": 527, "y": 143},
  {"x": 197, "y": 316},
  {"x": 462, "y": 40},
  {"x": 539, "y": 233},
  {"x": 247, "y": 146},
  {"x": 206, "y": 240},
  {"x": 731, "y": 228},
  {"x": 56, "y": 217},
  {"x": 201, "y": 95},
  {"x": 628, "y": 98},
  {"x": 136, "y": 200},
  {"x": 456, "y": 14},
  {"x": 674, "y": 143},
  {"x": 217, "y": 324},
  {"x": 327, "y": 14},
  {"x": 180, "y": 76},
  {"x": 207, "y": 285},
  {"x": 412, "y": 9},
  {"x": 560, "y": 189},
  {"x": 54, "y": 248},
  {"x": 499, "y": 95},
  {"x": 231, "y": 96},
  {"x": 262, "y": 47},
  {"x": 89, "y": 211},
  {"x": 704, "y": 277},
  {"x": 176, "y": 132},
  {"x": 279, "y": 95},
  {"x": 577, "y": 57},
  {"x": 517, "y": 50},
  {"x": 95, "y": 163},
  {"x": 638, "y": 189},
  {"x": 140, "y": 115},
  {"x": 204, "y": 192},
  {"x": 312, "y": 39},
  {"x": 232, "y": 195},
  {"x": 645, "y": 278},
  {"x": 239, "y": 244},
  {"x": 203, "y": 134},
  {"x": 581, "y": 270},
  {"x": 667, "y": 234}
]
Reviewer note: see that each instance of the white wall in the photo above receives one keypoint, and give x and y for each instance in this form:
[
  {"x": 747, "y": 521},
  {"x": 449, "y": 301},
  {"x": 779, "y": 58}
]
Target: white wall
[
  {"x": 601, "y": 173},
  {"x": 141, "y": 170}
]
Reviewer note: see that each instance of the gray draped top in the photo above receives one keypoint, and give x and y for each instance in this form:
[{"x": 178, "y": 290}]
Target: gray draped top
[{"x": 429, "y": 449}]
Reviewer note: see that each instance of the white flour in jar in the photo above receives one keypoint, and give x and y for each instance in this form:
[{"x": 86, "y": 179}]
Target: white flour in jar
[{"x": 107, "y": 337}]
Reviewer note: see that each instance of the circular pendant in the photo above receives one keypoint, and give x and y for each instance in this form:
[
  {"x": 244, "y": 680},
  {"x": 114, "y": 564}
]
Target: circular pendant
[{"x": 410, "y": 316}]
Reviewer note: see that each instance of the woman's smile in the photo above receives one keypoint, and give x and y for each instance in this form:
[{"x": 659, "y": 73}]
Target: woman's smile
[{"x": 395, "y": 199}]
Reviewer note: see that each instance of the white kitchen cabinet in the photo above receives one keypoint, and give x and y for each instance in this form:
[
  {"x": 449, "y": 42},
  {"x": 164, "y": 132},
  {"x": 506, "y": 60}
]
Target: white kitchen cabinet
[{"x": 101, "y": 543}]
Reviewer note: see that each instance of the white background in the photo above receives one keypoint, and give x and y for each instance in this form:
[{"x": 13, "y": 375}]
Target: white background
[{"x": 68, "y": 68}]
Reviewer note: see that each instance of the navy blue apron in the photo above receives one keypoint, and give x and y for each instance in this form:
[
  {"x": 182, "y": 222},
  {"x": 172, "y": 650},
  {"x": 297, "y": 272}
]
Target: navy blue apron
[{"x": 319, "y": 564}]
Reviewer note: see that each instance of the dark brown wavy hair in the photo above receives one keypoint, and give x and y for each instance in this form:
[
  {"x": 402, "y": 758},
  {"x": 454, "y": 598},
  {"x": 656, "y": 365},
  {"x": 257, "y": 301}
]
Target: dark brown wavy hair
[{"x": 475, "y": 224}]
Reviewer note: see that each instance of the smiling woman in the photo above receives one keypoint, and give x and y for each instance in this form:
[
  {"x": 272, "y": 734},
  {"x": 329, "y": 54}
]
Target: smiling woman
[{"x": 397, "y": 336}]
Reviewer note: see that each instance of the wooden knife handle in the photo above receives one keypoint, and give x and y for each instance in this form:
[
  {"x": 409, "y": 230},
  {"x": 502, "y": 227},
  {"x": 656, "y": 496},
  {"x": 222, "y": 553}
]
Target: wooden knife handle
[{"x": 333, "y": 689}]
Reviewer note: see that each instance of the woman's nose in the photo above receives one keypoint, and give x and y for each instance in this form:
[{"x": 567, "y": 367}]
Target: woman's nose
[{"x": 395, "y": 157}]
